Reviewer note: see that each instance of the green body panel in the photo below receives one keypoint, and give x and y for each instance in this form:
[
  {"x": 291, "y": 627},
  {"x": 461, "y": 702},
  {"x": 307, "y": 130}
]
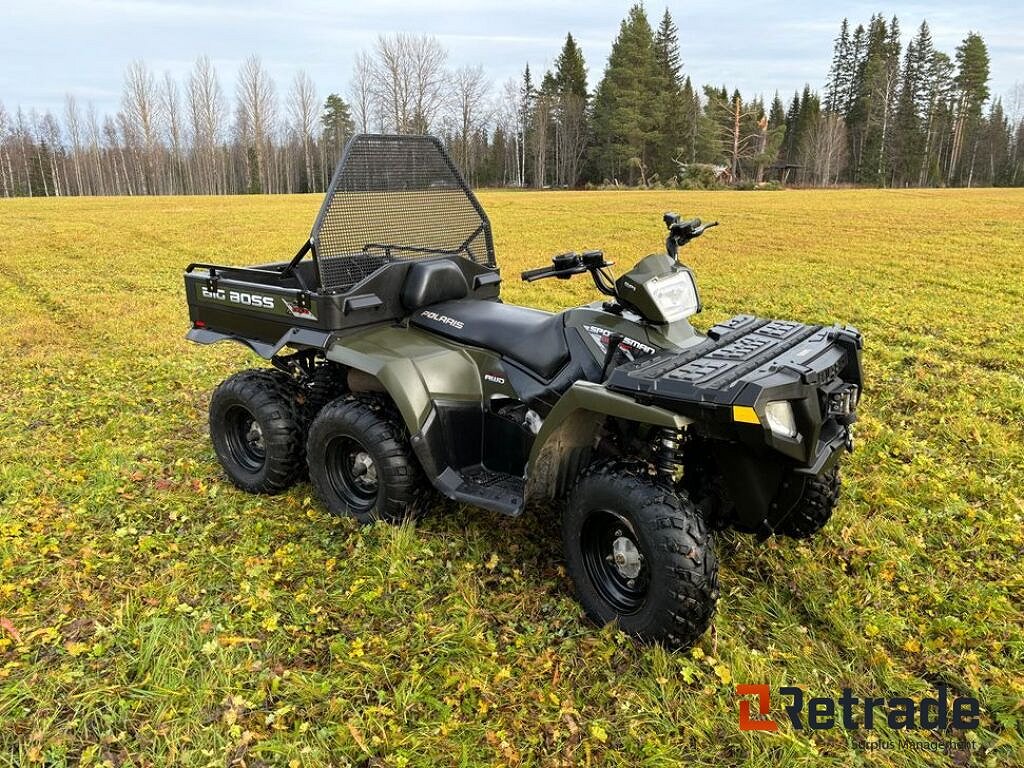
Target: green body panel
[
  {"x": 677, "y": 335},
  {"x": 415, "y": 367}
]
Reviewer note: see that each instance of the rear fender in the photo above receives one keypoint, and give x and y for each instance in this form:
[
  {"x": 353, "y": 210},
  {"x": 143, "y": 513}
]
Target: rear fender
[
  {"x": 414, "y": 368},
  {"x": 565, "y": 440}
]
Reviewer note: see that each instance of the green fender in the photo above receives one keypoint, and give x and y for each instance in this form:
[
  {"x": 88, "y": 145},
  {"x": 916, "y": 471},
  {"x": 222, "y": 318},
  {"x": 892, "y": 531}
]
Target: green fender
[
  {"x": 571, "y": 427},
  {"x": 413, "y": 367}
]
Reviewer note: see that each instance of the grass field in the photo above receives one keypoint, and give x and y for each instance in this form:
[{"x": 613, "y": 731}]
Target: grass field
[{"x": 150, "y": 614}]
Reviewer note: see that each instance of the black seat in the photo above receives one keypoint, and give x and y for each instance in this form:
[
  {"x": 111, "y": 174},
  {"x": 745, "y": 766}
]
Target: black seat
[
  {"x": 429, "y": 282},
  {"x": 534, "y": 339}
]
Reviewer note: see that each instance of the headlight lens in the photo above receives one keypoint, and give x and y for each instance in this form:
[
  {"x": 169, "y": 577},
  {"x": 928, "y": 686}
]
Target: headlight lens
[
  {"x": 675, "y": 295},
  {"x": 779, "y": 415}
]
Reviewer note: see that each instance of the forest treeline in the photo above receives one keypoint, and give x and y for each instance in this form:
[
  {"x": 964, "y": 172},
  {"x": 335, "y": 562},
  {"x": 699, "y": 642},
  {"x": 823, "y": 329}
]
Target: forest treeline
[{"x": 889, "y": 115}]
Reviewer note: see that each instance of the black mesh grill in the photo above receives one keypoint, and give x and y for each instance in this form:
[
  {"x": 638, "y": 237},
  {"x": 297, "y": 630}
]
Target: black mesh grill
[{"x": 396, "y": 197}]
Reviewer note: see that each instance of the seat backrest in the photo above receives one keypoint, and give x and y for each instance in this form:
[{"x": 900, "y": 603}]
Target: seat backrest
[{"x": 429, "y": 282}]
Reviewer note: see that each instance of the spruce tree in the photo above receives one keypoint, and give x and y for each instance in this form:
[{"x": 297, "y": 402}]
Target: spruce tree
[
  {"x": 571, "y": 129},
  {"x": 777, "y": 114},
  {"x": 571, "y": 69},
  {"x": 676, "y": 123},
  {"x": 907, "y": 138},
  {"x": 840, "y": 74},
  {"x": 626, "y": 117}
]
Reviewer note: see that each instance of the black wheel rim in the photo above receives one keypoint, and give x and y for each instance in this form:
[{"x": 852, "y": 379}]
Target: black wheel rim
[
  {"x": 615, "y": 561},
  {"x": 352, "y": 473},
  {"x": 245, "y": 439}
]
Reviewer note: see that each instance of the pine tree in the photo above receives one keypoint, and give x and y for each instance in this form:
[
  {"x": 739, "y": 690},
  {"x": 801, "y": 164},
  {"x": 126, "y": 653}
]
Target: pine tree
[
  {"x": 336, "y": 122},
  {"x": 789, "y": 147},
  {"x": 527, "y": 93},
  {"x": 874, "y": 87},
  {"x": 972, "y": 86}
]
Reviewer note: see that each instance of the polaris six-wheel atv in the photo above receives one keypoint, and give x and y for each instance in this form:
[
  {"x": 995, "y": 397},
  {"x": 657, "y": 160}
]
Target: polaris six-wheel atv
[{"x": 397, "y": 369}]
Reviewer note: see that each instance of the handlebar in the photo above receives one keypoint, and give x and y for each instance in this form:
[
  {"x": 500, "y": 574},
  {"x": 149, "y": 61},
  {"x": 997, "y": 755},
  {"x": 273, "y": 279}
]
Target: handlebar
[
  {"x": 538, "y": 274},
  {"x": 681, "y": 232},
  {"x": 566, "y": 265}
]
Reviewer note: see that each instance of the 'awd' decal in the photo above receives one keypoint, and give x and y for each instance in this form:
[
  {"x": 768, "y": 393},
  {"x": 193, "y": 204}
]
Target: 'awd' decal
[
  {"x": 444, "y": 319},
  {"x": 630, "y": 347},
  {"x": 493, "y": 379}
]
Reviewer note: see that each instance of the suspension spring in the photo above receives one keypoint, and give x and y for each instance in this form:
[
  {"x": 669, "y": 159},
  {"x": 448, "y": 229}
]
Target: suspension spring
[{"x": 666, "y": 452}]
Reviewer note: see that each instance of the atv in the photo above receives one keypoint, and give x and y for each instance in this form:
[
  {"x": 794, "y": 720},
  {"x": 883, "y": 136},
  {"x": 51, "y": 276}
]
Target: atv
[{"x": 396, "y": 371}]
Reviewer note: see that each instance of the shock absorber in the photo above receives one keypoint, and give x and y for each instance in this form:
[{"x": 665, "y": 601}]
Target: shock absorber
[{"x": 666, "y": 452}]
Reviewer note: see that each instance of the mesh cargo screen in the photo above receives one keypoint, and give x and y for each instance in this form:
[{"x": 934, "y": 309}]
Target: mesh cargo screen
[{"x": 395, "y": 198}]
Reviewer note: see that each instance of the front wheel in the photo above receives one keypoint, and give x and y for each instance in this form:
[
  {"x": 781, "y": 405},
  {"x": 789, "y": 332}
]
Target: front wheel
[
  {"x": 815, "y": 507},
  {"x": 640, "y": 555}
]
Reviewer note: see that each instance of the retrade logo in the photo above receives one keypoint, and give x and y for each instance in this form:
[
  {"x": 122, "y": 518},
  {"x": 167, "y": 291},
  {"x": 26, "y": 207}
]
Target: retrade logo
[
  {"x": 851, "y": 712},
  {"x": 763, "y": 693}
]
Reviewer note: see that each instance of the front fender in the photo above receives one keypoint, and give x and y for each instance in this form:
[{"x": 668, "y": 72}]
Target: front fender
[{"x": 563, "y": 442}]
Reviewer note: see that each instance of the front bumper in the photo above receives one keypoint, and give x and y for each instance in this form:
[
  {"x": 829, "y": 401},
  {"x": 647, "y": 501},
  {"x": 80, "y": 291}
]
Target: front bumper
[{"x": 725, "y": 384}]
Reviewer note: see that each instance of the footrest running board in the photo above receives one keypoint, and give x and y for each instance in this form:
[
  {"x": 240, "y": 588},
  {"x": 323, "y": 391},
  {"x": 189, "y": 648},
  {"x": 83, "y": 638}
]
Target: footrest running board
[{"x": 485, "y": 488}]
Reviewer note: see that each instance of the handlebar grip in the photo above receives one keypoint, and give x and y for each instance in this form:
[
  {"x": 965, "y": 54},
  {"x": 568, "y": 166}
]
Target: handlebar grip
[{"x": 534, "y": 274}]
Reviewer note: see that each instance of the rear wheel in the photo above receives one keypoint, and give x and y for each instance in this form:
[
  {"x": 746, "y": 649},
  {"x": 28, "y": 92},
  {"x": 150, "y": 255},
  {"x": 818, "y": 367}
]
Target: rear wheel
[
  {"x": 360, "y": 462},
  {"x": 257, "y": 429},
  {"x": 816, "y": 505},
  {"x": 640, "y": 555}
]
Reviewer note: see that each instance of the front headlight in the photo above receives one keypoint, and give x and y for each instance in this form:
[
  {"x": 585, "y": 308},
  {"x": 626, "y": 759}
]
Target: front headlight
[
  {"x": 674, "y": 295},
  {"x": 779, "y": 415}
]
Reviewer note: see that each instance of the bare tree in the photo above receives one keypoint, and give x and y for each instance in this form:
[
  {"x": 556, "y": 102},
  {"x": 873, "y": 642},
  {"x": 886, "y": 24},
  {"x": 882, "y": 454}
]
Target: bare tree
[
  {"x": 170, "y": 102},
  {"x": 510, "y": 121},
  {"x": 824, "y": 149},
  {"x": 303, "y": 105},
  {"x": 98, "y": 184},
  {"x": 206, "y": 113},
  {"x": 256, "y": 116},
  {"x": 409, "y": 80},
  {"x": 365, "y": 101},
  {"x": 73, "y": 124},
  {"x": 471, "y": 113},
  {"x": 6, "y": 172},
  {"x": 141, "y": 108},
  {"x": 50, "y": 137},
  {"x": 570, "y": 137},
  {"x": 120, "y": 179},
  {"x": 22, "y": 130}
]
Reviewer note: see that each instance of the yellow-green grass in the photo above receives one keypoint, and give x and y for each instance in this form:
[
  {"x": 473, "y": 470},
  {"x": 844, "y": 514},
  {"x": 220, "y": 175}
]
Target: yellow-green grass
[{"x": 154, "y": 615}]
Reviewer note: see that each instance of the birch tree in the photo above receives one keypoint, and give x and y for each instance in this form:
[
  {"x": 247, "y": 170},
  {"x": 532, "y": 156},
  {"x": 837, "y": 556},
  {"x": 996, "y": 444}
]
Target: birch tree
[
  {"x": 256, "y": 114},
  {"x": 207, "y": 114},
  {"x": 141, "y": 107},
  {"x": 302, "y": 111}
]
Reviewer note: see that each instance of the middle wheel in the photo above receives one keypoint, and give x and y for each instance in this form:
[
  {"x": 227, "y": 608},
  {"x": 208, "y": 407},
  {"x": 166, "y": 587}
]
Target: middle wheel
[{"x": 361, "y": 464}]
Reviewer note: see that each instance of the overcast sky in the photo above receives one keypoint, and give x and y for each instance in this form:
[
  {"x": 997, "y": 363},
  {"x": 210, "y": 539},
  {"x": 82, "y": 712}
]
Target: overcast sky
[{"x": 53, "y": 47}]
